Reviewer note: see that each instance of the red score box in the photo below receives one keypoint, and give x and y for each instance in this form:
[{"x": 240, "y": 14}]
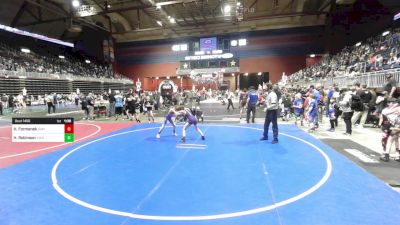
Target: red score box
[{"x": 69, "y": 128}]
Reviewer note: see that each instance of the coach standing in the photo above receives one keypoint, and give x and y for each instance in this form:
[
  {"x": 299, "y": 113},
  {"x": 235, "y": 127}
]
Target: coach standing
[
  {"x": 111, "y": 107},
  {"x": 252, "y": 99},
  {"x": 271, "y": 115}
]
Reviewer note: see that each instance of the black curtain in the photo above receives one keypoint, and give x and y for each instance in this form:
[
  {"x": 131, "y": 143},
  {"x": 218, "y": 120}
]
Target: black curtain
[{"x": 253, "y": 80}]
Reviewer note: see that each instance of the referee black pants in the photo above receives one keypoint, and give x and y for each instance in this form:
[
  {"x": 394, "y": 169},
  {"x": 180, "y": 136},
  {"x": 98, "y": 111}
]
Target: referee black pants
[
  {"x": 251, "y": 109},
  {"x": 271, "y": 117},
  {"x": 230, "y": 103}
]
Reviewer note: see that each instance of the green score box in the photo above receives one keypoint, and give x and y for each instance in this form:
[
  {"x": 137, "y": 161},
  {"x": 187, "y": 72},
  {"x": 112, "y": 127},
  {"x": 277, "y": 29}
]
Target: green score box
[{"x": 68, "y": 137}]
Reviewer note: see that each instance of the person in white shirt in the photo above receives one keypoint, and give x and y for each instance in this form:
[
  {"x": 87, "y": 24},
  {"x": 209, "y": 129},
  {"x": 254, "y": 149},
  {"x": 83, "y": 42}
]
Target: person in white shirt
[
  {"x": 230, "y": 103},
  {"x": 271, "y": 103}
]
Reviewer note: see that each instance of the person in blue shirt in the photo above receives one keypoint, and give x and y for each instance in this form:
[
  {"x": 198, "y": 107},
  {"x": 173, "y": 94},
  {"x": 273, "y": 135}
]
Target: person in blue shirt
[
  {"x": 298, "y": 109},
  {"x": 318, "y": 99},
  {"x": 312, "y": 112},
  {"x": 333, "y": 114},
  {"x": 329, "y": 96},
  {"x": 252, "y": 99}
]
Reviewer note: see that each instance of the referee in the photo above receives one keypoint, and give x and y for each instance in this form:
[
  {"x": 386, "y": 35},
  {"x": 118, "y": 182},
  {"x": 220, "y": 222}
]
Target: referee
[{"x": 272, "y": 115}]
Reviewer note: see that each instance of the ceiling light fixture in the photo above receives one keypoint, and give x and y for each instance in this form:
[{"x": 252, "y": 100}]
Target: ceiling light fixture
[
  {"x": 159, "y": 23},
  {"x": 234, "y": 43},
  {"x": 227, "y": 9},
  {"x": 184, "y": 47},
  {"x": 358, "y": 44},
  {"x": 199, "y": 53},
  {"x": 312, "y": 55},
  {"x": 385, "y": 33},
  {"x": 242, "y": 42},
  {"x": 175, "y": 48},
  {"x": 76, "y": 3},
  {"x": 25, "y": 50}
]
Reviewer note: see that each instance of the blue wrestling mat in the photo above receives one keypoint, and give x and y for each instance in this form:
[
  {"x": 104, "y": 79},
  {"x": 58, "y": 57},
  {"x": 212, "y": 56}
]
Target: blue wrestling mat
[{"x": 231, "y": 178}]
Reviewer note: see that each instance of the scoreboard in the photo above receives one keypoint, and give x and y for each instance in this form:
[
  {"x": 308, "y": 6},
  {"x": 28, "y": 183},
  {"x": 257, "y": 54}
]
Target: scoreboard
[{"x": 43, "y": 130}]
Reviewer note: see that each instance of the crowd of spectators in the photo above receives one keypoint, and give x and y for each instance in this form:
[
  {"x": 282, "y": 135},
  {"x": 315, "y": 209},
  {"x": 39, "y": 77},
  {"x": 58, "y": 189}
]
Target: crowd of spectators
[
  {"x": 13, "y": 59},
  {"x": 376, "y": 53},
  {"x": 357, "y": 105}
]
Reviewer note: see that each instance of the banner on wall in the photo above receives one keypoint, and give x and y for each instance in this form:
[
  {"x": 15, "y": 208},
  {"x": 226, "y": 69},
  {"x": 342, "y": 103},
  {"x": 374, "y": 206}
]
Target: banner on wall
[
  {"x": 138, "y": 85},
  {"x": 167, "y": 88},
  {"x": 106, "y": 51},
  {"x": 111, "y": 46},
  {"x": 203, "y": 77}
]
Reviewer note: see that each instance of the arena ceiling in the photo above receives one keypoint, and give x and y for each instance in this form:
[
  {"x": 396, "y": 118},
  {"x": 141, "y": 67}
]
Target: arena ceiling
[{"x": 133, "y": 20}]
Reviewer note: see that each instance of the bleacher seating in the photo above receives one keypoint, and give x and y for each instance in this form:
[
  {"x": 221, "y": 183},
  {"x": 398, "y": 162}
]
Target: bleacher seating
[
  {"x": 375, "y": 54},
  {"x": 43, "y": 73}
]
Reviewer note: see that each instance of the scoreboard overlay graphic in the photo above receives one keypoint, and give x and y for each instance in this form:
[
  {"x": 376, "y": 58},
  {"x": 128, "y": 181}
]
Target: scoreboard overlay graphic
[{"x": 43, "y": 130}]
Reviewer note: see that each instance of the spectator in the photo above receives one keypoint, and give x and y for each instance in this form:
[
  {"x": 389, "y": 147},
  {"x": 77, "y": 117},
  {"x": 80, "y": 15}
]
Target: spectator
[
  {"x": 85, "y": 108},
  {"x": 312, "y": 112},
  {"x": 345, "y": 107},
  {"x": 361, "y": 101},
  {"x": 391, "y": 85},
  {"x": 390, "y": 126},
  {"x": 230, "y": 103},
  {"x": 298, "y": 109},
  {"x": 333, "y": 114},
  {"x": 90, "y": 106},
  {"x": 111, "y": 100},
  {"x": 119, "y": 103}
]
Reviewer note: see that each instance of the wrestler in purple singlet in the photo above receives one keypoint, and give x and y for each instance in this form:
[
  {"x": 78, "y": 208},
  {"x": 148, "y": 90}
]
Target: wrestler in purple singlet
[
  {"x": 168, "y": 118},
  {"x": 191, "y": 120},
  {"x": 190, "y": 117}
]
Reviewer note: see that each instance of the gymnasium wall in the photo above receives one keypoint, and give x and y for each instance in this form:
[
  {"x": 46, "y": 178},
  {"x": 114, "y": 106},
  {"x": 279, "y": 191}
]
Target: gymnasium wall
[{"x": 274, "y": 51}]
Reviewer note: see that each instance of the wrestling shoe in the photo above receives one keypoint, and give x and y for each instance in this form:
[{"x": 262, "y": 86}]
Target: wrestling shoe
[
  {"x": 275, "y": 141},
  {"x": 174, "y": 134},
  {"x": 384, "y": 157},
  {"x": 183, "y": 140},
  {"x": 203, "y": 138},
  {"x": 158, "y": 135},
  {"x": 263, "y": 138}
]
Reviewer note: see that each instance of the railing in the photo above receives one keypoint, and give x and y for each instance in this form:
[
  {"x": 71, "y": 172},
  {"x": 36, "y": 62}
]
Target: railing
[
  {"x": 23, "y": 75},
  {"x": 371, "y": 79}
]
